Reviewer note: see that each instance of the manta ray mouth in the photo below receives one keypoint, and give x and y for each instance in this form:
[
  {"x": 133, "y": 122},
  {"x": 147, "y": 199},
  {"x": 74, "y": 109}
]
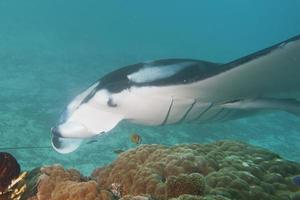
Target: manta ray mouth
[
  {"x": 65, "y": 145},
  {"x": 70, "y": 130}
]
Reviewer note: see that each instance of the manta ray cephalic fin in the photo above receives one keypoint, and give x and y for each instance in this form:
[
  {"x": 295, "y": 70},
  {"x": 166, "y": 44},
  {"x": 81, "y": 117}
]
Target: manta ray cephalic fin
[{"x": 65, "y": 145}]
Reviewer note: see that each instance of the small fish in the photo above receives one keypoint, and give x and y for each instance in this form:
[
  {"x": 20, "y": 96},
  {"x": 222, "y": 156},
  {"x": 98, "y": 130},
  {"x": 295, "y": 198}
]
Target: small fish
[
  {"x": 135, "y": 138},
  {"x": 296, "y": 180},
  {"x": 91, "y": 141},
  {"x": 118, "y": 151}
]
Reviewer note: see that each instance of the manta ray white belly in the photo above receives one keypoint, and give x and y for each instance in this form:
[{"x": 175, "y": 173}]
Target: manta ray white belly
[
  {"x": 172, "y": 91},
  {"x": 161, "y": 106}
]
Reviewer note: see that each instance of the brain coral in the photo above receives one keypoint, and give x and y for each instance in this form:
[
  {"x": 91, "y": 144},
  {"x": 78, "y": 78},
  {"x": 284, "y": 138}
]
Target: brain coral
[{"x": 221, "y": 171}]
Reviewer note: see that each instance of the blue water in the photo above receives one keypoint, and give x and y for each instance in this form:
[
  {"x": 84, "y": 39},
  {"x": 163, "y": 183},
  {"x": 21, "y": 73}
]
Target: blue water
[{"x": 51, "y": 50}]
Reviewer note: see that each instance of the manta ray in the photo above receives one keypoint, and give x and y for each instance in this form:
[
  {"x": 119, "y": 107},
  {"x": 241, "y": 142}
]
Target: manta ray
[{"x": 172, "y": 91}]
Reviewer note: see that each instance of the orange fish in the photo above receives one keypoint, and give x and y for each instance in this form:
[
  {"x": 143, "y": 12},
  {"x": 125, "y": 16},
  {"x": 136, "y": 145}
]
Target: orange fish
[{"x": 135, "y": 138}]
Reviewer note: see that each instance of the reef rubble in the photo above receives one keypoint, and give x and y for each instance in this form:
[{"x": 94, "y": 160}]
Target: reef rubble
[{"x": 224, "y": 170}]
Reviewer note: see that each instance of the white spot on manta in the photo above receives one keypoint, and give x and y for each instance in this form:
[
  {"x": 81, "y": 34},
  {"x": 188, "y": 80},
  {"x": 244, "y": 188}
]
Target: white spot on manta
[{"x": 152, "y": 73}]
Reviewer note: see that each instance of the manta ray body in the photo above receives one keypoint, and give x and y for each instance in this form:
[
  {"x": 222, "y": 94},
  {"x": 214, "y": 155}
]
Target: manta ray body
[{"x": 171, "y": 91}]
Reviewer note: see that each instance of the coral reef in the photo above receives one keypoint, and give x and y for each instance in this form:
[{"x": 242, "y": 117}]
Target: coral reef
[
  {"x": 222, "y": 170},
  {"x": 56, "y": 183},
  {"x": 51, "y": 177},
  {"x": 185, "y": 184}
]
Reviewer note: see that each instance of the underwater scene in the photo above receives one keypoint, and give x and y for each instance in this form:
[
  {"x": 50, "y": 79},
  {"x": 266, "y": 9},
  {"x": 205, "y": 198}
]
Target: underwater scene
[{"x": 140, "y": 100}]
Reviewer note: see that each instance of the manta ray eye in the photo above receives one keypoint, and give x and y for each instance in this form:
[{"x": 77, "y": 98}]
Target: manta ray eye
[{"x": 110, "y": 103}]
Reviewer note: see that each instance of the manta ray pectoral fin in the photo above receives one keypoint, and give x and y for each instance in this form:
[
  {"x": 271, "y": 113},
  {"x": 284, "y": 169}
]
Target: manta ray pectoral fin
[
  {"x": 257, "y": 104},
  {"x": 65, "y": 145},
  {"x": 267, "y": 73}
]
